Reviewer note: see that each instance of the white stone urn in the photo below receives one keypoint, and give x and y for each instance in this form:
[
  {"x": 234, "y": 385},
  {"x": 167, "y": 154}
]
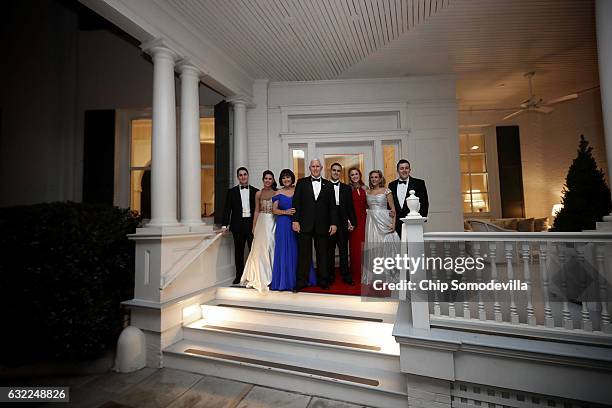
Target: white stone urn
[{"x": 413, "y": 204}]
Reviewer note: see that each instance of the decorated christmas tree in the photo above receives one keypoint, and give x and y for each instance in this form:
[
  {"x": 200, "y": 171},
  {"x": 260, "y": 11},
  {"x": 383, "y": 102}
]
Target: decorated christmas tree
[{"x": 586, "y": 196}]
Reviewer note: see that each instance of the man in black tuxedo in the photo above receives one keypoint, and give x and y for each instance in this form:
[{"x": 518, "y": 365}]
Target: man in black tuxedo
[
  {"x": 315, "y": 218},
  {"x": 346, "y": 216},
  {"x": 238, "y": 217},
  {"x": 400, "y": 189}
]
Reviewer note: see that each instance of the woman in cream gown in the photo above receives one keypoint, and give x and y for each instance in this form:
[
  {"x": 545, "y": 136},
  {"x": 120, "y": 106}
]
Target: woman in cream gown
[
  {"x": 258, "y": 268},
  {"x": 380, "y": 237}
]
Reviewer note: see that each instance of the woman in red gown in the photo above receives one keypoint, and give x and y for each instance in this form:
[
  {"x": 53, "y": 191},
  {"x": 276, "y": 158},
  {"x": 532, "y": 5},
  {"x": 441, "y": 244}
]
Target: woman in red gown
[{"x": 357, "y": 235}]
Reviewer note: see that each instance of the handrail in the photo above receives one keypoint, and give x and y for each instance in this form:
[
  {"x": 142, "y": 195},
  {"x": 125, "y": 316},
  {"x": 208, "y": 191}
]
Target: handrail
[
  {"x": 586, "y": 236},
  {"x": 187, "y": 259}
]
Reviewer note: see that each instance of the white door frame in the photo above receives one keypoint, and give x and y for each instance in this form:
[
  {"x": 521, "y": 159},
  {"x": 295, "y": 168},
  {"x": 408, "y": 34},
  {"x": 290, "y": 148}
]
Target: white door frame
[{"x": 310, "y": 141}]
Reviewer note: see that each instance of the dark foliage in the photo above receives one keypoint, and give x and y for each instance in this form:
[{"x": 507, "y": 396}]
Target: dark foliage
[
  {"x": 65, "y": 269},
  {"x": 586, "y": 196}
]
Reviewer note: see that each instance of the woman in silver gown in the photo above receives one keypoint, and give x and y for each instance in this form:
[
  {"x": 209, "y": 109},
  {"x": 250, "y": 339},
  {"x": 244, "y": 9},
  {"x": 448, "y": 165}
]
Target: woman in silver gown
[{"x": 380, "y": 237}]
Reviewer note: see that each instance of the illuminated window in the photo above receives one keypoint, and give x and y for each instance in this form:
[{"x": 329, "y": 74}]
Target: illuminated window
[
  {"x": 390, "y": 158},
  {"x": 298, "y": 160},
  {"x": 140, "y": 166},
  {"x": 474, "y": 175}
]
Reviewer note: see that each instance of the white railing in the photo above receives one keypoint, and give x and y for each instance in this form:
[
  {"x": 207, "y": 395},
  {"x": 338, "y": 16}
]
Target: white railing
[
  {"x": 561, "y": 283},
  {"x": 188, "y": 258}
]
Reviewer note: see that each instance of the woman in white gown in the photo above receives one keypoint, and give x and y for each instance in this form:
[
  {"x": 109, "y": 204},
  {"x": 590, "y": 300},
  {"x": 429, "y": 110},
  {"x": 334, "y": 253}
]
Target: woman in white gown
[
  {"x": 380, "y": 237},
  {"x": 258, "y": 268}
]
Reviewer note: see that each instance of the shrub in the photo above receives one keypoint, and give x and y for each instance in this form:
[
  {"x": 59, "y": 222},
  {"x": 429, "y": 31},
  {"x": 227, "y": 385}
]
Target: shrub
[
  {"x": 66, "y": 267},
  {"x": 586, "y": 196}
]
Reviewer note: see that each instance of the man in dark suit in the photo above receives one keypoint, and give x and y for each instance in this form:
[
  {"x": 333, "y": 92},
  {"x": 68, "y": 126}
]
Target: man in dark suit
[
  {"x": 315, "y": 219},
  {"x": 346, "y": 214},
  {"x": 238, "y": 217},
  {"x": 400, "y": 189}
]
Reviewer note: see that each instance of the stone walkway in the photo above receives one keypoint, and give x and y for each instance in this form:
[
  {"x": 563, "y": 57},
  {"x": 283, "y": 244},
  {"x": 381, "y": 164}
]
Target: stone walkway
[{"x": 161, "y": 388}]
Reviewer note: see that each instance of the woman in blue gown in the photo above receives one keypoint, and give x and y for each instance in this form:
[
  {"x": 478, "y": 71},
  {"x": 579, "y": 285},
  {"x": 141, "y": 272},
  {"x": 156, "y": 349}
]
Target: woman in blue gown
[{"x": 286, "y": 247}]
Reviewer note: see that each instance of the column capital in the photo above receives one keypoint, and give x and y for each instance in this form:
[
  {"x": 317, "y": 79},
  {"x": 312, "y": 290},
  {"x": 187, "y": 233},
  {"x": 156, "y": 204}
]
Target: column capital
[
  {"x": 159, "y": 47},
  {"x": 186, "y": 67},
  {"x": 241, "y": 100}
]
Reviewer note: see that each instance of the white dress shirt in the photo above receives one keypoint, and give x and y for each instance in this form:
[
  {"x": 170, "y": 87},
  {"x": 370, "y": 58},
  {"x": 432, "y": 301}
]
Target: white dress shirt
[
  {"x": 402, "y": 189},
  {"x": 246, "y": 204},
  {"x": 316, "y": 186},
  {"x": 337, "y": 191}
]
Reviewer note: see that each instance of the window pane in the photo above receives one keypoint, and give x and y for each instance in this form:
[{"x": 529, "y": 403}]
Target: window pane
[
  {"x": 477, "y": 143},
  {"x": 478, "y": 163},
  {"x": 464, "y": 163},
  {"x": 389, "y": 161},
  {"x": 140, "y": 197},
  {"x": 208, "y": 192},
  {"x": 141, "y": 143},
  {"x": 207, "y": 130},
  {"x": 467, "y": 204},
  {"x": 207, "y": 154},
  {"x": 479, "y": 183},
  {"x": 464, "y": 143},
  {"x": 298, "y": 156},
  {"x": 480, "y": 202},
  {"x": 465, "y": 183},
  {"x": 207, "y": 158}
]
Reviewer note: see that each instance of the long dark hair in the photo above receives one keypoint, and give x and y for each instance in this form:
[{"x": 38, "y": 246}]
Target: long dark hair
[{"x": 265, "y": 173}]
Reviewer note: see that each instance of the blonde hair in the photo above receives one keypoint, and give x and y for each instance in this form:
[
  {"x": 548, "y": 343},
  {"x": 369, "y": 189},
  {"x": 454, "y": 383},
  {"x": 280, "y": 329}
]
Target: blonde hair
[{"x": 382, "y": 178}]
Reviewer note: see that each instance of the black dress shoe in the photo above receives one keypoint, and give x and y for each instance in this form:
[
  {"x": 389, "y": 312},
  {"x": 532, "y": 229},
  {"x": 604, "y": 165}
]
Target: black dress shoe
[
  {"x": 350, "y": 282},
  {"x": 236, "y": 281}
]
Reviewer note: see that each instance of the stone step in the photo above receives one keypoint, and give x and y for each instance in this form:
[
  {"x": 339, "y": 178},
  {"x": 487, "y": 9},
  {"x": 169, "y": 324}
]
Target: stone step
[{"x": 305, "y": 373}]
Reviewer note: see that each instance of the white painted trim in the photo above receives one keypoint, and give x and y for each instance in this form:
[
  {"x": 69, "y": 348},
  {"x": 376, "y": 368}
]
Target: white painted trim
[
  {"x": 383, "y": 135},
  {"x": 361, "y": 81},
  {"x": 586, "y": 236}
]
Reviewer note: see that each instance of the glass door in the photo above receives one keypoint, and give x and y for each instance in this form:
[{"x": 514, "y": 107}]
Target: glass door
[{"x": 348, "y": 155}]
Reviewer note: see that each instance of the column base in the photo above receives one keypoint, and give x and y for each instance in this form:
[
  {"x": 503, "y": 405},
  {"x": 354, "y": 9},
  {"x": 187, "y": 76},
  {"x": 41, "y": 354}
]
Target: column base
[
  {"x": 162, "y": 229},
  {"x": 605, "y": 225},
  {"x": 205, "y": 228}
]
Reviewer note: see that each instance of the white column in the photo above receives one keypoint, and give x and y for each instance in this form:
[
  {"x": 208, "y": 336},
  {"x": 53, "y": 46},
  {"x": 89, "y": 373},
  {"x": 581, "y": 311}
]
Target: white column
[
  {"x": 240, "y": 131},
  {"x": 603, "y": 13},
  {"x": 190, "y": 162},
  {"x": 163, "y": 146}
]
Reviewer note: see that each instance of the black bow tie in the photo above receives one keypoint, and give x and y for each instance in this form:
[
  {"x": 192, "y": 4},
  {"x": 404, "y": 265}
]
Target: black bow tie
[
  {"x": 314, "y": 179},
  {"x": 244, "y": 187},
  {"x": 337, "y": 183},
  {"x": 402, "y": 181}
]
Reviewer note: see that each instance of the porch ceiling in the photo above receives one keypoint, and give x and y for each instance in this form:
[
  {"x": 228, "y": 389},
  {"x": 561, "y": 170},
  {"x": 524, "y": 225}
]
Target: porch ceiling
[
  {"x": 488, "y": 44},
  {"x": 485, "y": 43}
]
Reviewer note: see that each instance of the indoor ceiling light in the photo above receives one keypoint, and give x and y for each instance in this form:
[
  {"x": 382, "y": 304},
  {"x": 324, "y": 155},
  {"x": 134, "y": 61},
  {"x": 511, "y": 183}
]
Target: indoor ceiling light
[{"x": 475, "y": 147}]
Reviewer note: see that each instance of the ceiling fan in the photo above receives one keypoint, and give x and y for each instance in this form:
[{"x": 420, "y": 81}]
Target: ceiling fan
[{"x": 536, "y": 104}]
